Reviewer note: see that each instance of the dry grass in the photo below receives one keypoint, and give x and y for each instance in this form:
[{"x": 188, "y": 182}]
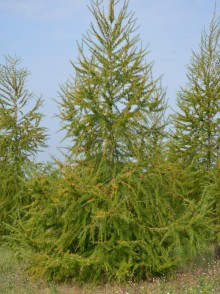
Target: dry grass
[{"x": 204, "y": 279}]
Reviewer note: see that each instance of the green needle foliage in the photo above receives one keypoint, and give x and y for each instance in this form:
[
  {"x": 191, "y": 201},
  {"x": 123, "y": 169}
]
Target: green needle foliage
[
  {"x": 21, "y": 135},
  {"x": 133, "y": 227},
  {"x": 214, "y": 188},
  {"x": 197, "y": 123},
  {"x": 117, "y": 209},
  {"x": 113, "y": 108}
]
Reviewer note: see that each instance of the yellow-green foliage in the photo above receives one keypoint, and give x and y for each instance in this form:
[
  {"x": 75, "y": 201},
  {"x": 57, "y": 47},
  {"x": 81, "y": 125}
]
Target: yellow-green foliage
[
  {"x": 196, "y": 122},
  {"x": 112, "y": 106},
  {"x": 214, "y": 190},
  {"x": 118, "y": 208},
  {"x": 132, "y": 226},
  {"x": 21, "y": 136}
]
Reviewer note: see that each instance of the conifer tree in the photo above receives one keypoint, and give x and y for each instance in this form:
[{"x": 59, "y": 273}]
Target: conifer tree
[
  {"x": 197, "y": 122},
  {"x": 113, "y": 109},
  {"x": 108, "y": 216},
  {"x": 21, "y": 135}
]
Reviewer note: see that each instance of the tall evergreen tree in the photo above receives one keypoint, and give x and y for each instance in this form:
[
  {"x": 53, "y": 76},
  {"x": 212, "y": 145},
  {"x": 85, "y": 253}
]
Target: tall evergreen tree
[
  {"x": 197, "y": 122},
  {"x": 113, "y": 109},
  {"x": 21, "y": 135}
]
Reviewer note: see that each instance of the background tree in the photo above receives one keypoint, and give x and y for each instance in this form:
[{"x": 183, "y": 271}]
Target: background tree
[
  {"x": 197, "y": 123},
  {"x": 113, "y": 109},
  {"x": 21, "y": 135}
]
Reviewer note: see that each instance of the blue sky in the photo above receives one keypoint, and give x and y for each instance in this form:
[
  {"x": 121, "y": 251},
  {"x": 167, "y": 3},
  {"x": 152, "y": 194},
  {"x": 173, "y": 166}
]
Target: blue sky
[{"x": 44, "y": 34}]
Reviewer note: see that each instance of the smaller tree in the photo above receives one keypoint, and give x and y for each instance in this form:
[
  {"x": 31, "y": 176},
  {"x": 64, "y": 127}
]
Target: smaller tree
[
  {"x": 21, "y": 135},
  {"x": 197, "y": 123}
]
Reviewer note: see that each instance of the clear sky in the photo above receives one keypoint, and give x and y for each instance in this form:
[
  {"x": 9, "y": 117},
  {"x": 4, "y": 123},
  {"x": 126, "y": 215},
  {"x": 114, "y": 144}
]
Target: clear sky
[{"x": 44, "y": 34}]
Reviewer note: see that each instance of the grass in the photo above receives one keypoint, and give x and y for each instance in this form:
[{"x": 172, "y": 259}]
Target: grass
[{"x": 204, "y": 279}]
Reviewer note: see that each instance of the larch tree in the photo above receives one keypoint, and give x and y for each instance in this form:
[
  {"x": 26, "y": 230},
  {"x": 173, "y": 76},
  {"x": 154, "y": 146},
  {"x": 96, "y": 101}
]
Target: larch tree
[
  {"x": 21, "y": 135},
  {"x": 113, "y": 109},
  {"x": 197, "y": 122},
  {"x": 108, "y": 216},
  {"x": 196, "y": 138}
]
